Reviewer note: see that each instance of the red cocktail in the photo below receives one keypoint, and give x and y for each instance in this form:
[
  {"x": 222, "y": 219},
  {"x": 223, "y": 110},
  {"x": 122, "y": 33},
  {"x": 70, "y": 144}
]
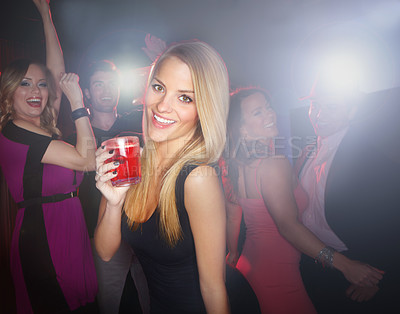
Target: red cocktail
[{"x": 127, "y": 153}]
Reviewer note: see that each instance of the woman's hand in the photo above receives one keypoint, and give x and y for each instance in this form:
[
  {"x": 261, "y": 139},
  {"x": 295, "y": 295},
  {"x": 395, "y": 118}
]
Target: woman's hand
[
  {"x": 154, "y": 46},
  {"x": 69, "y": 84},
  {"x": 361, "y": 294},
  {"x": 43, "y": 6},
  {"x": 232, "y": 258},
  {"x": 115, "y": 196},
  {"x": 361, "y": 274}
]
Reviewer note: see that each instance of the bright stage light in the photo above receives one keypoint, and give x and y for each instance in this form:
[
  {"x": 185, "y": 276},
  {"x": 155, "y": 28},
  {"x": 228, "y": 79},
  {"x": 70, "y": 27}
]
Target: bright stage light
[
  {"x": 128, "y": 80},
  {"x": 342, "y": 72},
  {"x": 133, "y": 80}
]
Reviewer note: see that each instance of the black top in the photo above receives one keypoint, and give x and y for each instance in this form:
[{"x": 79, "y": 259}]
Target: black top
[
  {"x": 362, "y": 208},
  {"x": 362, "y": 197},
  {"x": 90, "y": 196},
  {"x": 171, "y": 273}
]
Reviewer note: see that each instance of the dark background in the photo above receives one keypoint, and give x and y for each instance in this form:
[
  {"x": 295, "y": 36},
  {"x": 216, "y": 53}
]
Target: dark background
[{"x": 277, "y": 45}]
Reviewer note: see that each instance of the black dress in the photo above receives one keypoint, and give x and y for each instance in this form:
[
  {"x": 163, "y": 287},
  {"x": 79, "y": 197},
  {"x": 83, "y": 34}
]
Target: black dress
[{"x": 171, "y": 273}]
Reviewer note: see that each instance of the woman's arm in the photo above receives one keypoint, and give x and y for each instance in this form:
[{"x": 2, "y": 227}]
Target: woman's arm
[
  {"x": 54, "y": 54},
  {"x": 233, "y": 220},
  {"x": 204, "y": 202},
  {"x": 82, "y": 155},
  {"x": 107, "y": 236},
  {"x": 276, "y": 187}
]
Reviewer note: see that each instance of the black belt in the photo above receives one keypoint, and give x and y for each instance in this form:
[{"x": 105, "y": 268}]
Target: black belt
[{"x": 47, "y": 199}]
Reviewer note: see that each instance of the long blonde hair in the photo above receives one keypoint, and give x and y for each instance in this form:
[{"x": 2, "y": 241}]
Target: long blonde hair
[
  {"x": 9, "y": 81},
  {"x": 211, "y": 87}
]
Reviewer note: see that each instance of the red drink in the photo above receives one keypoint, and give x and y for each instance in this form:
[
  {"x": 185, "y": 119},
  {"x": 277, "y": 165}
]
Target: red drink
[{"x": 127, "y": 153}]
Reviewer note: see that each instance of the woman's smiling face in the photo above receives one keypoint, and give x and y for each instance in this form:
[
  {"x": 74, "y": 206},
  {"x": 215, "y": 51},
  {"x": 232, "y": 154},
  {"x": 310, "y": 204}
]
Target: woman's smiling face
[
  {"x": 258, "y": 118},
  {"x": 171, "y": 104},
  {"x": 32, "y": 94}
]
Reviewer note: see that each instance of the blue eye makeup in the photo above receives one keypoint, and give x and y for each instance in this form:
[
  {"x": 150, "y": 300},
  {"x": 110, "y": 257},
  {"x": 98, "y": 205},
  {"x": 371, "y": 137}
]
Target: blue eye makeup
[{"x": 25, "y": 83}]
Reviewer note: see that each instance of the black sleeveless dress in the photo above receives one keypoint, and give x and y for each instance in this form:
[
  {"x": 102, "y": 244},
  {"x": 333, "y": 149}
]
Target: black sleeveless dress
[{"x": 171, "y": 273}]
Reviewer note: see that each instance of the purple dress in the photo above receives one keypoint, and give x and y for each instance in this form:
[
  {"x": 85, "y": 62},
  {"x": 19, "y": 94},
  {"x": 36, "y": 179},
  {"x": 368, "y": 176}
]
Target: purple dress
[{"x": 51, "y": 258}]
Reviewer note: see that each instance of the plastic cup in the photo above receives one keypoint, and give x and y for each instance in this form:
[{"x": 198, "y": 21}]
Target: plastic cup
[{"x": 127, "y": 153}]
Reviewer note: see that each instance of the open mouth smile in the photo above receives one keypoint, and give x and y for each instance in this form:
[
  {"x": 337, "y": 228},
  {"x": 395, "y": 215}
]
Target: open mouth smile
[
  {"x": 266, "y": 126},
  {"x": 34, "y": 102},
  {"x": 162, "y": 120}
]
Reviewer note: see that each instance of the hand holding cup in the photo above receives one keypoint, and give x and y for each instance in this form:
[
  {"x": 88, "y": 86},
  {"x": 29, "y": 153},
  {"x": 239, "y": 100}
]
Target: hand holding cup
[{"x": 118, "y": 167}]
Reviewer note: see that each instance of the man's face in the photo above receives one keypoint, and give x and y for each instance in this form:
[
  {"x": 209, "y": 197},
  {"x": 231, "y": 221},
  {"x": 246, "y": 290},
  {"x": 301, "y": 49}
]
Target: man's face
[
  {"x": 329, "y": 115},
  {"x": 103, "y": 92}
]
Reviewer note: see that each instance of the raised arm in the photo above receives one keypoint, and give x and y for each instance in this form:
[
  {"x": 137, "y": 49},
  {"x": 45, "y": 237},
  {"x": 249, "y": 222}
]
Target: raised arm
[
  {"x": 82, "y": 155},
  {"x": 107, "y": 236},
  {"x": 277, "y": 191},
  {"x": 54, "y": 55},
  {"x": 204, "y": 202}
]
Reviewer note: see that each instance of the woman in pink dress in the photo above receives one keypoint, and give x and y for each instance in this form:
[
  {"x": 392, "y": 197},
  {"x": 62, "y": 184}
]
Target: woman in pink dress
[
  {"x": 51, "y": 259},
  {"x": 268, "y": 192}
]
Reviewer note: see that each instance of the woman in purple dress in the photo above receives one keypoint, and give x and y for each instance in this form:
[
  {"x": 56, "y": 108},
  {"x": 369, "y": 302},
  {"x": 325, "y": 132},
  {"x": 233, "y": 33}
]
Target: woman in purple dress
[{"x": 51, "y": 261}]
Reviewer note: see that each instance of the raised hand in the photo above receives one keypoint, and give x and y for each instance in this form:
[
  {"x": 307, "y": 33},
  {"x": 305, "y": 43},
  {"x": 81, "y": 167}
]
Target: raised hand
[
  {"x": 43, "y": 6},
  {"x": 69, "y": 84},
  {"x": 154, "y": 46}
]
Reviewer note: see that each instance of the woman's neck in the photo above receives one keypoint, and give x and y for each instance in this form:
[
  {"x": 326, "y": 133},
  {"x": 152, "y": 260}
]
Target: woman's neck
[{"x": 34, "y": 121}]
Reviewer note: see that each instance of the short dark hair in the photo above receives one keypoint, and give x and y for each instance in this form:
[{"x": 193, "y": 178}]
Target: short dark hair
[{"x": 95, "y": 66}]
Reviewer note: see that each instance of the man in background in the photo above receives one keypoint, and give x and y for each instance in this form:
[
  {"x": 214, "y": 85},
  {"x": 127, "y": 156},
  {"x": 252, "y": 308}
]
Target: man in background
[{"x": 350, "y": 178}]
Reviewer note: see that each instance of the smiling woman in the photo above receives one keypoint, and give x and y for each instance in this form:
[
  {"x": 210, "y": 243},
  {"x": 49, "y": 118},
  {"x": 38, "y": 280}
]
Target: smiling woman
[
  {"x": 170, "y": 105},
  {"x": 51, "y": 261},
  {"x": 175, "y": 218},
  {"x": 32, "y": 91},
  {"x": 266, "y": 192},
  {"x": 27, "y": 91}
]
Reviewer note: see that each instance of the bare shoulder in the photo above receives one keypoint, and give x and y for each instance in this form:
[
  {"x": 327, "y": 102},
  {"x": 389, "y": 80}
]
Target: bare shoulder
[
  {"x": 201, "y": 174},
  {"x": 202, "y": 186},
  {"x": 275, "y": 162},
  {"x": 275, "y": 166}
]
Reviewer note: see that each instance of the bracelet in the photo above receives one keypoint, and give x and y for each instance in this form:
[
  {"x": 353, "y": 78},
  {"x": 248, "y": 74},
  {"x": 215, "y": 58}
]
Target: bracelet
[
  {"x": 79, "y": 113},
  {"x": 325, "y": 256}
]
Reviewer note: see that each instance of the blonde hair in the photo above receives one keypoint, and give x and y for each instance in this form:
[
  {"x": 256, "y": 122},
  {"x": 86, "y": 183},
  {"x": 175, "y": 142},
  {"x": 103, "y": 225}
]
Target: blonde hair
[
  {"x": 10, "y": 79},
  {"x": 211, "y": 87}
]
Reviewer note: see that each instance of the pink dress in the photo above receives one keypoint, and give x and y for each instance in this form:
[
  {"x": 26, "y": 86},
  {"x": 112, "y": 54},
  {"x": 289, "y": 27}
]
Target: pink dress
[
  {"x": 270, "y": 263},
  {"x": 51, "y": 258}
]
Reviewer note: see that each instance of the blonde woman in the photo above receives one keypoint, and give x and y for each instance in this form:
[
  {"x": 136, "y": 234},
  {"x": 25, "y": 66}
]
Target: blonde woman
[{"x": 175, "y": 218}]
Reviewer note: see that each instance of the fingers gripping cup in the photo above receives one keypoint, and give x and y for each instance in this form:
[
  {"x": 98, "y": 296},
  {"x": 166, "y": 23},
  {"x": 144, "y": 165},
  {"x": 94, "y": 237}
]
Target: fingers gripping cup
[{"x": 127, "y": 154}]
